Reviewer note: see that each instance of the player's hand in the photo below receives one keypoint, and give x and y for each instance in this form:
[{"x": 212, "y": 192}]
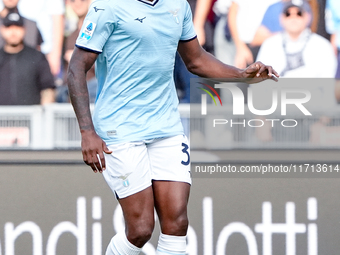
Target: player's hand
[
  {"x": 258, "y": 72},
  {"x": 93, "y": 149}
]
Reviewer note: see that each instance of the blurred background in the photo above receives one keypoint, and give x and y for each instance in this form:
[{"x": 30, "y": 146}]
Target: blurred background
[
  {"x": 300, "y": 39},
  {"x": 51, "y": 203}
]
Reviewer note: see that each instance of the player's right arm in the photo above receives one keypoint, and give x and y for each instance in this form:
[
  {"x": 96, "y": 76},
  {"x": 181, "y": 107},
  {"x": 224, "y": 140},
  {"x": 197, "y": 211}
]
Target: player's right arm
[{"x": 92, "y": 145}]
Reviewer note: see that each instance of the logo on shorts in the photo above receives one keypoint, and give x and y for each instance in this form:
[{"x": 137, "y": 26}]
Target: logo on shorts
[{"x": 124, "y": 179}]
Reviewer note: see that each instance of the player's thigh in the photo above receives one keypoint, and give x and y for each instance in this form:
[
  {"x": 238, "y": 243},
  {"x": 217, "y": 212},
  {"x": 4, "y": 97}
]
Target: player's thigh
[
  {"x": 171, "y": 200},
  {"x": 170, "y": 159},
  {"x": 171, "y": 180},
  {"x": 138, "y": 211},
  {"x": 127, "y": 169},
  {"x": 128, "y": 174}
]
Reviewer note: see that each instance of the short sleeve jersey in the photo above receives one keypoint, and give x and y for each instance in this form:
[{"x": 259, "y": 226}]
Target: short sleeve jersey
[{"x": 137, "y": 41}]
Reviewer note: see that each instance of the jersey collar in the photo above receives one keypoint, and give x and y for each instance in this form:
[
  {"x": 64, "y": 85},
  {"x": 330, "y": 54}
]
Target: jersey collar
[{"x": 152, "y": 3}]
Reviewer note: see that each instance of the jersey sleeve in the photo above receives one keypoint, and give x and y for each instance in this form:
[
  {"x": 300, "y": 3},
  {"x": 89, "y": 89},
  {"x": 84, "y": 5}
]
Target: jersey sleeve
[
  {"x": 97, "y": 27},
  {"x": 188, "y": 31}
]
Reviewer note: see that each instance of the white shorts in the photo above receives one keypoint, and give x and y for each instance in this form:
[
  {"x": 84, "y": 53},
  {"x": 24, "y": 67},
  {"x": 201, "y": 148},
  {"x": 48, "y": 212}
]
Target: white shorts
[{"x": 132, "y": 166}]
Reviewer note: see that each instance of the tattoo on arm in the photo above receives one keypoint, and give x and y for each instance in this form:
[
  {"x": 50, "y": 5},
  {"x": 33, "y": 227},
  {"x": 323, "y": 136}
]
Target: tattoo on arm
[{"x": 80, "y": 63}]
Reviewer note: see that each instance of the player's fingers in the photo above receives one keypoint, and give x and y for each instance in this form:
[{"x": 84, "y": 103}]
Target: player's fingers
[
  {"x": 276, "y": 73},
  {"x": 263, "y": 69},
  {"x": 253, "y": 68},
  {"x": 105, "y": 149},
  {"x": 274, "y": 78},
  {"x": 272, "y": 74},
  {"x": 89, "y": 162},
  {"x": 101, "y": 156},
  {"x": 94, "y": 168},
  {"x": 97, "y": 163},
  {"x": 101, "y": 159},
  {"x": 103, "y": 162},
  {"x": 85, "y": 158}
]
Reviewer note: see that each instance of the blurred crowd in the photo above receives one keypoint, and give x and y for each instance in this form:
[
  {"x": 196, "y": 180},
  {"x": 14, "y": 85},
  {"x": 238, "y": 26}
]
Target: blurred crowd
[{"x": 299, "y": 38}]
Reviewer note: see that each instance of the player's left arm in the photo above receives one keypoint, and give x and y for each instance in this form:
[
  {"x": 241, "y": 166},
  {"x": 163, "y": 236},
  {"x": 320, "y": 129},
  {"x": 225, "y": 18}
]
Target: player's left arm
[{"x": 203, "y": 64}]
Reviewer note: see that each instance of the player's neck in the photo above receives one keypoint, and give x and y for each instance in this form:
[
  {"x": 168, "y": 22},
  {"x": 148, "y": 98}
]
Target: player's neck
[{"x": 10, "y": 49}]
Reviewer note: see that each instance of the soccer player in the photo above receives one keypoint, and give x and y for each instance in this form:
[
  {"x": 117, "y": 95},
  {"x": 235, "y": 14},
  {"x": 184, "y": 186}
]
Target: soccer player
[{"x": 136, "y": 134}]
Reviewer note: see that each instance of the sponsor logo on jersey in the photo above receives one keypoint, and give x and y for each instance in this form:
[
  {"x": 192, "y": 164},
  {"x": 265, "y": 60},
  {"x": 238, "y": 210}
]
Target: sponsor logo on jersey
[
  {"x": 88, "y": 30},
  {"x": 98, "y": 9},
  {"x": 140, "y": 20}
]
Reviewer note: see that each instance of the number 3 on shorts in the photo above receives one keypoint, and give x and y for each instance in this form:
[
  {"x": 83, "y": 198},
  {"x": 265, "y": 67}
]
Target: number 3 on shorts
[{"x": 185, "y": 150}]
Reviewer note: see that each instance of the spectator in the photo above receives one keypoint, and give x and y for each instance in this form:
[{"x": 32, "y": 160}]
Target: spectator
[
  {"x": 25, "y": 77},
  {"x": 32, "y": 37},
  {"x": 295, "y": 52},
  {"x": 270, "y": 24},
  {"x": 50, "y": 20},
  {"x": 80, "y": 7},
  {"x": 333, "y": 27},
  {"x": 271, "y": 21}
]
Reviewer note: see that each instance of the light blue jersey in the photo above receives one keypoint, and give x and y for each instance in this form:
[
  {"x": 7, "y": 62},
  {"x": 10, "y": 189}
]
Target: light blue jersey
[{"x": 137, "y": 39}]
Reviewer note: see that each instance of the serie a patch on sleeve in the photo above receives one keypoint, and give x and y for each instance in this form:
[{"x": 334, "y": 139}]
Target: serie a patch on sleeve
[{"x": 88, "y": 30}]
